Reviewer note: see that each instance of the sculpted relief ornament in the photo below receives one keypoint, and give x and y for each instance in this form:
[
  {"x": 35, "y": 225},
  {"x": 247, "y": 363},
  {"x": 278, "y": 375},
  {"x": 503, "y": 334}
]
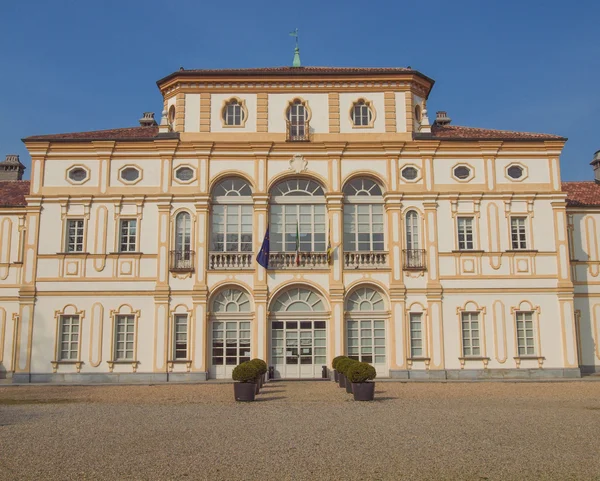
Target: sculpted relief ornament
[{"x": 298, "y": 163}]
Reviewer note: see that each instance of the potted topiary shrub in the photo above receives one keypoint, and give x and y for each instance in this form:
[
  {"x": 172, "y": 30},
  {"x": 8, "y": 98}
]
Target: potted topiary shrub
[
  {"x": 263, "y": 369},
  {"x": 341, "y": 368},
  {"x": 359, "y": 374},
  {"x": 333, "y": 365},
  {"x": 347, "y": 367},
  {"x": 245, "y": 388}
]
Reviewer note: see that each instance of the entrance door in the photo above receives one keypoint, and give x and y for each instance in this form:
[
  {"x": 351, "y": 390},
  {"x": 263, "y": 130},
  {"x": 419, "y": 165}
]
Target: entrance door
[{"x": 298, "y": 348}]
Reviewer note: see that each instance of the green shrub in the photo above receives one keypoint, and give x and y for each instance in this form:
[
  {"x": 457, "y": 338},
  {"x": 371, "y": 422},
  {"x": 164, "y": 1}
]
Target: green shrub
[
  {"x": 361, "y": 372},
  {"x": 343, "y": 364},
  {"x": 245, "y": 372},
  {"x": 262, "y": 365},
  {"x": 335, "y": 361}
]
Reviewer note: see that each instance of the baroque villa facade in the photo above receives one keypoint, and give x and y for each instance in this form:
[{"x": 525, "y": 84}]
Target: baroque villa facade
[{"x": 427, "y": 249}]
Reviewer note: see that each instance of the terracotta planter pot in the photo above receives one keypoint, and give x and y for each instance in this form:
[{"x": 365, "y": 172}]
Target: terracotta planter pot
[
  {"x": 363, "y": 391},
  {"x": 244, "y": 391},
  {"x": 341, "y": 380},
  {"x": 348, "y": 386},
  {"x": 336, "y": 376}
]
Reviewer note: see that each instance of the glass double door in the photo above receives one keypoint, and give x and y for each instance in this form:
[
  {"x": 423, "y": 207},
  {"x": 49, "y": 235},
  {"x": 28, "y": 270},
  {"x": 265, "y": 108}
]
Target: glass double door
[
  {"x": 230, "y": 345},
  {"x": 298, "y": 348}
]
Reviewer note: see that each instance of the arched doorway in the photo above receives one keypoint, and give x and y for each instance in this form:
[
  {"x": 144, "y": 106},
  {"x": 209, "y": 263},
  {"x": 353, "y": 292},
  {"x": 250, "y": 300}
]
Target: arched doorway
[
  {"x": 298, "y": 320},
  {"x": 230, "y": 331},
  {"x": 366, "y": 319}
]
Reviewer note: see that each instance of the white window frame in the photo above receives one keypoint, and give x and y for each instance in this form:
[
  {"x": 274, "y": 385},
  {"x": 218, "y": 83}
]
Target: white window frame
[
  {"x": 518, "y": 232},
  {"x": 181, "y": 320},
  {"x": 469, "y": 338},
  {"x": 412, "y": 230},
  {"x": 78, "y": 243},
  {"x": 234, "y": 113},
  {"x": 125, "y": 239},
  {"x": 412, "y": 335},
  {"x": 69, "y": 326},
  {"x": 530, "y": 349},
  {"x": 367, "y": 194},
  {"x": 362, "y": 113},
  {"x": 183, "y": 232},
  {"x": 122, "y": 355},
  {"x": 237, "y": 201},
  {"x": 463, "y": 231}
]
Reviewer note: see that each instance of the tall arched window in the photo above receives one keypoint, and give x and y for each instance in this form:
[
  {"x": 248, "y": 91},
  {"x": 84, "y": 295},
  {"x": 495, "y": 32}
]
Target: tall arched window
[
  {"x": 297, "y": 215},
  {"x": 297, "y": 119},
  {"x": 231, "y": 224},
  {"x": 365, "y": 327},
  {"x": 363, "y": 216},
  {"x": 414, "y": 256},
  {"x": 231, "y": 315}
]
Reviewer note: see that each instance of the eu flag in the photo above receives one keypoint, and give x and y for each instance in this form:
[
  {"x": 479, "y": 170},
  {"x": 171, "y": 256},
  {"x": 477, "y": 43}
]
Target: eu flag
[{"x": 263, "y": 255}]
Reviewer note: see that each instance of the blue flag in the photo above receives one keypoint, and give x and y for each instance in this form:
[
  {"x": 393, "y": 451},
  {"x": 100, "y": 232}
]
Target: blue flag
[{"x": 263, "y": 255}]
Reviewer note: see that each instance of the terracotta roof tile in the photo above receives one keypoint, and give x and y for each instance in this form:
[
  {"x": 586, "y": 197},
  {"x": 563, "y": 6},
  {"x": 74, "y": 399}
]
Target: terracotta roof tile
[
  {"x": 13, "y": 192},
  {"x": 582, "y": 193},
  {"x": 457, "y": 132},
  {"x": 125, "y": 134}
]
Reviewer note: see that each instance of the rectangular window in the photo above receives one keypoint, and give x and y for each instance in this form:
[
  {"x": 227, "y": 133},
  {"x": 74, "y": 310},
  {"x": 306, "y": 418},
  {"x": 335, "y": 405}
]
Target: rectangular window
[
  {"x": 363, "y": 227},
  {"x": 308, "y": 220},
  {"x": 416, "y": 334},
  {"x": 366, "y": 341},
  {"x": 232, "y": 228},
  {"x": 180, "y": 336},
  {"x": 127, "y": 235},
  {"x": 74, "y": 235},
  {"x": 230, "y": 342},
  {"x": 517, "y": 232},
  {"x": 465, "y": 233},
  {"x": 69, "y": 338},
  {"x": 525, "y": 339},
  {"x": 470, "y": 334},
  {"x": 124, "y": 337}
]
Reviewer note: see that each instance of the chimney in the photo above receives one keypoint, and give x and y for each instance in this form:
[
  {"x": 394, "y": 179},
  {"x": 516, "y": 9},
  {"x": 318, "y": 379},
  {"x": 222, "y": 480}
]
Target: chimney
[
  {"x": 596, "y": 164},
  {"x": 11, "y": 168},
  {"x": 148, "y": 120},
  {"x": 441, "y": 118}
]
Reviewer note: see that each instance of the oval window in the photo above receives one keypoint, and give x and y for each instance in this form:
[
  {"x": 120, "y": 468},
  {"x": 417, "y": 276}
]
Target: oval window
[
  {"x": 410, "y": 173},
  {"x": 461, "y": 172},
  {"x": 515, "y": 172},
  {"x": 184, "y": 173},
  {"x": 172, "y": 114},
  {"x": 418, "y": 113},
  {"x": 130, "y": 174},
  {"x": 78, "y": 174}
]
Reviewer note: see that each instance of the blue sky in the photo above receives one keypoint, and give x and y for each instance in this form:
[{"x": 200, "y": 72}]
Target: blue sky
[{"x": 68, "y": 65}]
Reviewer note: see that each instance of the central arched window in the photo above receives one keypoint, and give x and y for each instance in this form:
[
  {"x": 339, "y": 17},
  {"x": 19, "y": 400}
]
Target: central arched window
[
  {"x": 363, "y": 216},
  {"x": 365, "y": 326},
  {"x": 297, "y": 117},
  {"x": 362, "y": 115},
  {"x": 230, "y": 331},
  {"x": 231, "y": 224},
  {"x": 298, "y": 300},
  {"x": 297, "y": 216},
  {"x": 234, "y": 113}
]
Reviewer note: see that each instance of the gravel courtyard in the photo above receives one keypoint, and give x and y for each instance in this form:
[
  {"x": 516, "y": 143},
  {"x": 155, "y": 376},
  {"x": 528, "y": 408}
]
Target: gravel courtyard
[{"x": 302, "y": 430}]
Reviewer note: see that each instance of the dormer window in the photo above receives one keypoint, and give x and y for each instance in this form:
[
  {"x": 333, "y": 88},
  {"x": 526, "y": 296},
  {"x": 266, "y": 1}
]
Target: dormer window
[
  {"x": 234, "y": 113},
  {"x": 362, "y": 113},
  {"x": 297, "y": 116}
]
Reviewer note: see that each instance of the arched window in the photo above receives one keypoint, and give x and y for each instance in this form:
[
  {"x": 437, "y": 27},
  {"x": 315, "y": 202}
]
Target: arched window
[
  {"x": 234, "y": 113},
  {"x": 183, "y": 232},
  {"x": 365, "y": 327},
  {"x": 412, "y": 230},
  {"x": 297, "y": 118},
  {"x": 363, "y": 216},
  {"x": 231, "y": 224},
  {"x": 297, "y": 215},
  {"x": 362, "y": 115},
  {"x": 230, "y": 331},
  {"x": 298, "y": 300}
]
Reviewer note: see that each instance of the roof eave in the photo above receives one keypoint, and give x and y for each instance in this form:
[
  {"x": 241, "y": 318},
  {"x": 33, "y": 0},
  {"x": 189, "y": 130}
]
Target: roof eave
[{"x": 418, "y": 136}]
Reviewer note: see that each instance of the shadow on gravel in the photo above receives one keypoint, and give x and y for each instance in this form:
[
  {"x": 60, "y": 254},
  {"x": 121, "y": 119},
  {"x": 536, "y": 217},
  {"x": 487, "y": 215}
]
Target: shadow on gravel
[
  {"x": 276, "y": 391},
  {"x": 20, "y": 402},
  {"x": 262, "y": 400}
]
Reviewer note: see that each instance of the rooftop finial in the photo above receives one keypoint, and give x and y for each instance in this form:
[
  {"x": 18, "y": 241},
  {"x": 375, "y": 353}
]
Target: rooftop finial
[{"x": 296, "y": 62}]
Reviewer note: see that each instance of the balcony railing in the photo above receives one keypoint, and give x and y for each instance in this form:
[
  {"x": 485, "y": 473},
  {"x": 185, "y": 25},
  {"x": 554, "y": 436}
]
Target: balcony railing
[
  {"x": 297, "y": 131},
  {"x": 230, "y": 260},
  {"x": 182, "y": 261},
  {"x": 365, "y": 260},
  {"x": 308, "y": 260},
  {"x": 414, "y": 259}
]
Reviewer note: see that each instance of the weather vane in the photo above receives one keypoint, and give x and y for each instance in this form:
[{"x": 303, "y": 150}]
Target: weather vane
[{"x": 296, "y": 62}]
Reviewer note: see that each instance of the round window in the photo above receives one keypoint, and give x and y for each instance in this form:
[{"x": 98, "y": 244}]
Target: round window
[
  {"x": 172, "y": 114},
  {"x": 462, "y": 172},
  {"x": 78, "y": 174},
  {"x": 418, "y": 113},
  {"x": 130, "y": 174},
  {"x": 515, "y": 172},
  {"x": 184, "y": 173},
  {"x": 410, "y": 173}
]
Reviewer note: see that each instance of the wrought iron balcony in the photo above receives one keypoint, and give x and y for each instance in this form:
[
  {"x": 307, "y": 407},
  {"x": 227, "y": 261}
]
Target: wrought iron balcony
[
  {"x": 182, "y": 261},
  {"x": 365, "y": 260},
  {"x": 297, "y": 131},
  {"x": 308, "y": 260},
  {"x": 230, "y": 260},
  {"x": 414, "y": 259}
]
